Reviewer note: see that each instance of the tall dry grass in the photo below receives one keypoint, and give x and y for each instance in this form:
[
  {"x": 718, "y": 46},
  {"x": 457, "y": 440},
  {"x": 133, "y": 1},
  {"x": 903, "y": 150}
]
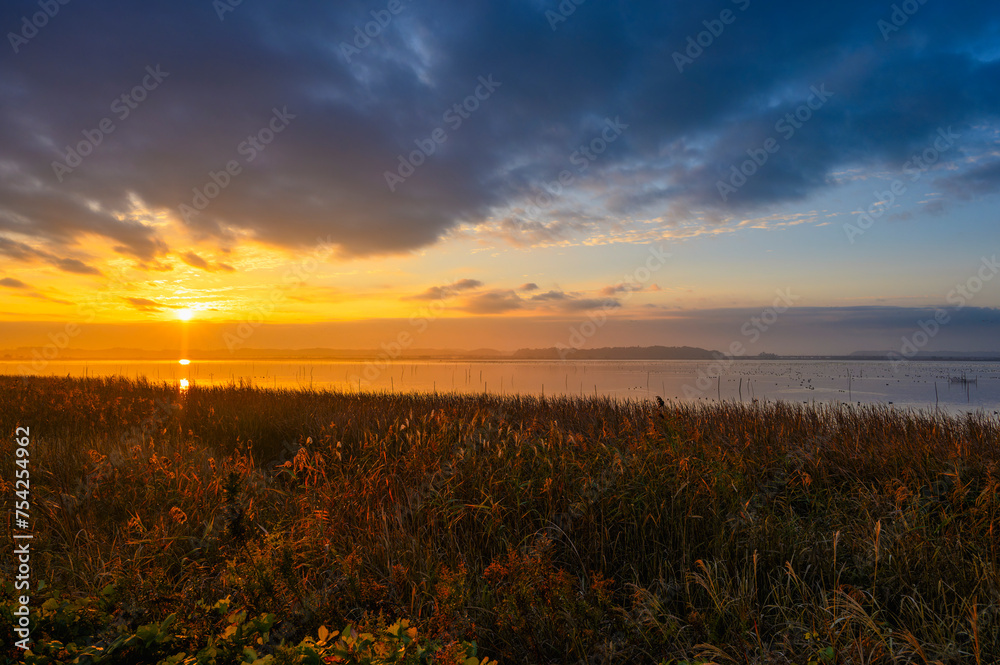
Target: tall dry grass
[{"x": 548, "y": 530}]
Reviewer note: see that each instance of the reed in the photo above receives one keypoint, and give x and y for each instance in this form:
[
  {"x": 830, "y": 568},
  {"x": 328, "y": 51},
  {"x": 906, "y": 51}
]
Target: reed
[{"x": 544, "y": 529}]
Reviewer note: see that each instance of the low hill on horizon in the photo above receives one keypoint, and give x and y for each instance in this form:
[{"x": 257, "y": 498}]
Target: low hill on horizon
[
  {"x": 618, "y": 353},
  {"x": 929, "y": 355}
]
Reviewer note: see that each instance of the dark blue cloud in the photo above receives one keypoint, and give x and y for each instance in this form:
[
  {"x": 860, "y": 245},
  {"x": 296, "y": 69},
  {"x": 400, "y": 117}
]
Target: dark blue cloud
[{"x": 323, "y": 176}]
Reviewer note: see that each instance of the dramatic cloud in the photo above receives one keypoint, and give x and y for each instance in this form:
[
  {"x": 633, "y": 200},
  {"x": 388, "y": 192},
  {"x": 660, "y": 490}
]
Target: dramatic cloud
[
  {"x": 25, "y": 253},
  {"x": 25, "y": 290},
  {"x": 196, "y": 261},
  {"x": 571, "y": 302},
  {"x": 144, "y": 304},
  {"x": 493, "y": 302},
  {"x": 272, "y": 125},
  {"x": 979, "y": 181},
  {"x": 551, "y": 295},
  {"x": 441, "y": 292},
  {"x": 625, "y": 288}
]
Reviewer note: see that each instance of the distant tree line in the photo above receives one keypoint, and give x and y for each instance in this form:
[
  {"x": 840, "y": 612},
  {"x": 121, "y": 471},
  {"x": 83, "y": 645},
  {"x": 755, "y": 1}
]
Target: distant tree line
[{"x": 618, "y": 353}]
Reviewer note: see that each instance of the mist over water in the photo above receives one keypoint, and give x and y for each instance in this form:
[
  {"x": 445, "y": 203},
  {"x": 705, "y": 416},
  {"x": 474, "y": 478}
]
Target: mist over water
[{"x": 956, "y": 387}]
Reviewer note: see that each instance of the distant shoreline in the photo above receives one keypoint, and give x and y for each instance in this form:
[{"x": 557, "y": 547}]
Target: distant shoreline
[{"x": 609, "y": 353}]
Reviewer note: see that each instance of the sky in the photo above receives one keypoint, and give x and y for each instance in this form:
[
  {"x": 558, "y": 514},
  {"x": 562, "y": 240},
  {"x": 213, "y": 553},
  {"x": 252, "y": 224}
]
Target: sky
[{"x": 796, "y": 177}]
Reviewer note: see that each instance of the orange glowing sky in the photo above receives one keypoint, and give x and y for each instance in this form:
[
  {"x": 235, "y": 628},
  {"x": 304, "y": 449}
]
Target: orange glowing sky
[{"x": 513, "y": 185}]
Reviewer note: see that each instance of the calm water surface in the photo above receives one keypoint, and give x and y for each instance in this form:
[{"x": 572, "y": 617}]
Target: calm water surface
[{"x": 919, "y": 385}]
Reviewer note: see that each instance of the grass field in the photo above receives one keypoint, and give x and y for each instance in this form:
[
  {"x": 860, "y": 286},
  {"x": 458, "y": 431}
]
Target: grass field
[{"x": 244, "y": 525}]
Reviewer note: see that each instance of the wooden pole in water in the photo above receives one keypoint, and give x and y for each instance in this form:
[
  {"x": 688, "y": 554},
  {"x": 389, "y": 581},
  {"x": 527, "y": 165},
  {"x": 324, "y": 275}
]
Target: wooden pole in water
[
  {"x": 935, "y": 394},
  {"x": 741, "y": 388},
  {"x": 719, "y": 386}
]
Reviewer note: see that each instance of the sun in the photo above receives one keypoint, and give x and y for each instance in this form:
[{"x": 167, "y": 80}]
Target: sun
[{"x": 185, "y": 314}]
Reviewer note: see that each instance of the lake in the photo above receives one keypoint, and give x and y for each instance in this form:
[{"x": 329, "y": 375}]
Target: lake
[{"x": 915, "y": 385}]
